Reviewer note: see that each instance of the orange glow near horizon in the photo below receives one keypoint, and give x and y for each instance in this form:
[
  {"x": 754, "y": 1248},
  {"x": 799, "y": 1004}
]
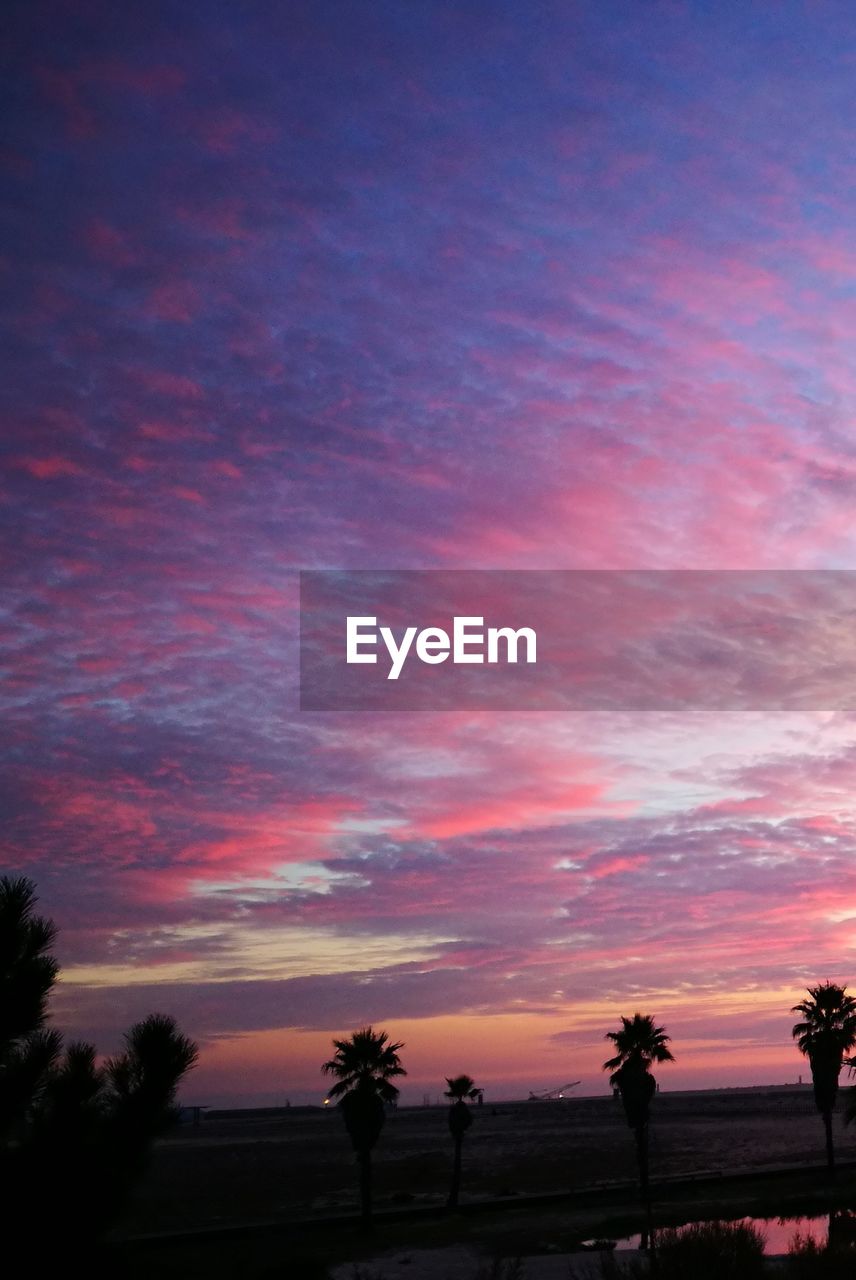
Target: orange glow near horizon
[{"x": 509, "y": 1054}]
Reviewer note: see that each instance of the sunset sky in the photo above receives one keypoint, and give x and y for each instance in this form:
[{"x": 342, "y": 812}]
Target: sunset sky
[{"x": 418, "y": 284}]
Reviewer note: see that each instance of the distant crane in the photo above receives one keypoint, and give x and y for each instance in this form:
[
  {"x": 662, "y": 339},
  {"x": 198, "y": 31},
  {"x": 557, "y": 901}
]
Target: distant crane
[{"x": 550, "y": 1095}]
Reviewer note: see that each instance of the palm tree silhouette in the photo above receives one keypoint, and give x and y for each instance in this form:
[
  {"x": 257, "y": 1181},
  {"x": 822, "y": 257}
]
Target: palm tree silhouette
[
  {"x": 363, "y": 1067},
  {"x": 460, "y": 1089},
  {"x": 825, "y": 1034},
  {"x": 639, "y": 1043}
]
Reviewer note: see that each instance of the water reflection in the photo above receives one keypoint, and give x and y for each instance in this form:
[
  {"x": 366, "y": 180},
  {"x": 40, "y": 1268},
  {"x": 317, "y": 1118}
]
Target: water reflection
[{"x": 837, "y": 1228}]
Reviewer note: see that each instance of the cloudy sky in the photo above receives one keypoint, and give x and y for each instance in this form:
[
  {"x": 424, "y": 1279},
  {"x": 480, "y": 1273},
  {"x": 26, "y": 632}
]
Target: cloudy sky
[{"x": 418, "y": 285}]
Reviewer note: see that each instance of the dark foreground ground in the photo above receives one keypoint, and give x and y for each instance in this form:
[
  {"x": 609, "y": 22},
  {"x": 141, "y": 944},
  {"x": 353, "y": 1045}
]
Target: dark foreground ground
[{"x": 289, "y": 1180}]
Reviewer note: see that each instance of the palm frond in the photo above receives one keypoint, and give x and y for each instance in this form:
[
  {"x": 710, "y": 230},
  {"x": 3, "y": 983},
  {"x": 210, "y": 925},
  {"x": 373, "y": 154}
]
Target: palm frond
[
  {"x": 827, "y": 1030},
  {"x": 461, "y": 1087},
  {"x": 368, "y": 1061},
  {"x": 638, "y": 1039}
]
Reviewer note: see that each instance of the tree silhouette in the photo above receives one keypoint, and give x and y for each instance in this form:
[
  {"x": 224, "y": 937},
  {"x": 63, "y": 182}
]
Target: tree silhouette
[
  {"x": 65, "y": 1122},
  {"x": 461, "y": 1088},
  {"x": 639, "y": 1044},
  {"x": 27, "y": 973},
  {"x": 363, "y": 1067},
  {"x": 825, "y": 1034}
]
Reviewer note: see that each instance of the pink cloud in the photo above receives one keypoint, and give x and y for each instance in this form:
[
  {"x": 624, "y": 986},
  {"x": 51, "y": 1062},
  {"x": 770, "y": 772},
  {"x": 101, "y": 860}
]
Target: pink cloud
[{"x": 50, "y": 468}]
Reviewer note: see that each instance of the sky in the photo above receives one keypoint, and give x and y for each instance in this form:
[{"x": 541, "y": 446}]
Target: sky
[{"x": 431, "y": 285}]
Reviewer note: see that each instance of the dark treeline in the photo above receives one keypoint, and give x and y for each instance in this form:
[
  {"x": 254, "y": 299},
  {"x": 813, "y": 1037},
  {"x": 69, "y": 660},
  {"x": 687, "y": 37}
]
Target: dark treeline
[{"x": 75, "y": 1136}]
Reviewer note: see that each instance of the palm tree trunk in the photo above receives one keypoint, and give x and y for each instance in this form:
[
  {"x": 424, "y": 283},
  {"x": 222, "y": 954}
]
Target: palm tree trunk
[
  {"x": 365, "y": 1159},
  {"x": 456, "y": 1175},
  {"x": 830, "y": 1150},
  {"x": 641, "y": 1134}
]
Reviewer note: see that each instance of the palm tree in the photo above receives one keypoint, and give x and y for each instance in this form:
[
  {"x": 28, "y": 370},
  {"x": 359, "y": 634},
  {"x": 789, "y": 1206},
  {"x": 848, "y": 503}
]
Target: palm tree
[
  {"x": 825, "y": 1034},
  {"x": 363, "y": 1067},
  {"x": 639, "y": 1044},
  {"x": 460, "y": 1088}
]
